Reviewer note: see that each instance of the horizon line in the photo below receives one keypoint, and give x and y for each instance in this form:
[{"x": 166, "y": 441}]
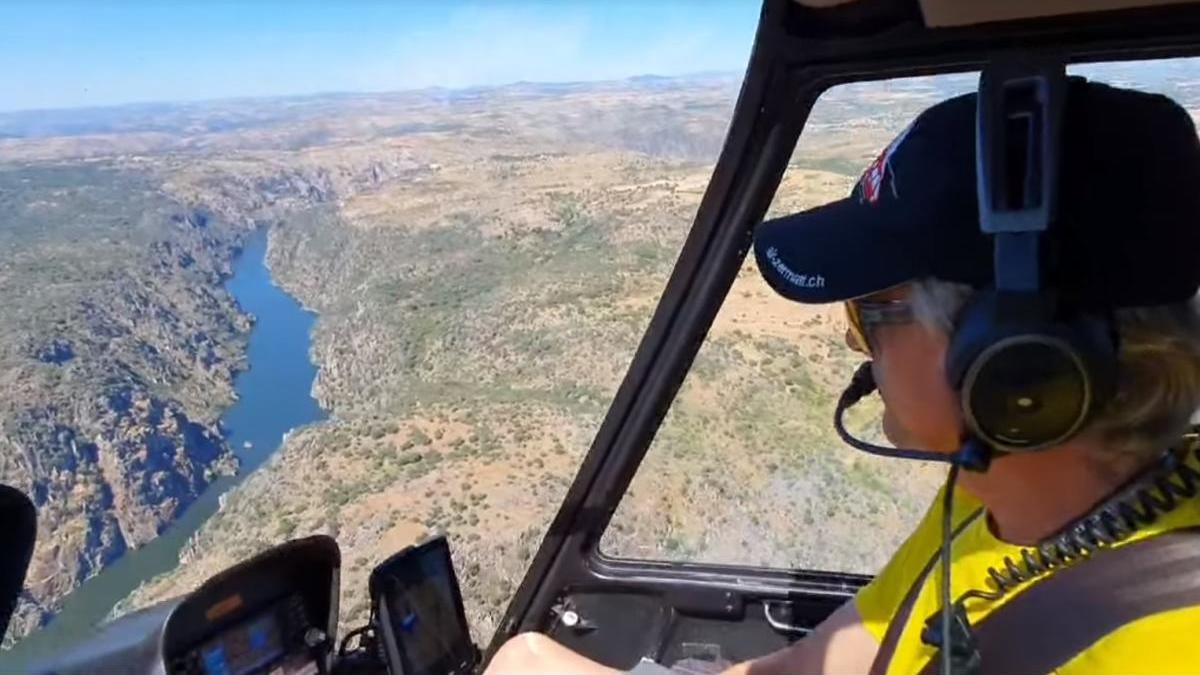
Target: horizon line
[{"x": 361, "y": 92}]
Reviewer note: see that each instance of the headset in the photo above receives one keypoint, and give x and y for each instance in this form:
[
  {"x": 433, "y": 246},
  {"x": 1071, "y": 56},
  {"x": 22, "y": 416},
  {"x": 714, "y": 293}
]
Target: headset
[{"x": 1030, "y": 369}]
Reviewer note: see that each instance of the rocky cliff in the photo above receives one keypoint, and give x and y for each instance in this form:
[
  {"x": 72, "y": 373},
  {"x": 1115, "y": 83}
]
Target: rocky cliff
[
  {"x": 119, "y": 344},
  {"x": 117, "y": 353}
]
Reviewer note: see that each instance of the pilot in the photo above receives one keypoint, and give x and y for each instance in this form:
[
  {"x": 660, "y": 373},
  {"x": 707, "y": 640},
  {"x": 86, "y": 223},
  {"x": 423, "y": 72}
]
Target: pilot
[{"x": 905, "y": 253}]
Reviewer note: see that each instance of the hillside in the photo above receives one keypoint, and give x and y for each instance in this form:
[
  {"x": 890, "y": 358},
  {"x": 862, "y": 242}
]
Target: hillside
[
  {"x": 116, "y": 354},
  {"x": 120, "y": 344},
  {"x": 476, "y": 316}
]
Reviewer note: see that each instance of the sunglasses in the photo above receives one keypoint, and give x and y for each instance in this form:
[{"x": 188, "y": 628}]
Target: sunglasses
[{"x": 862, "y": 315}]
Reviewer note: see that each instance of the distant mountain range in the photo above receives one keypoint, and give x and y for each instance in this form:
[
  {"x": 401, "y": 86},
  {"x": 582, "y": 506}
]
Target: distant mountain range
[{"x": 242, "y": 113}]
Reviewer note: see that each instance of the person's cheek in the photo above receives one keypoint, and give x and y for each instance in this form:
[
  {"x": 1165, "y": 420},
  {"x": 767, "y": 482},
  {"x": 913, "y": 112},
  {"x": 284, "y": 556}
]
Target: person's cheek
[
  {"x": 892, "y": 430},
  {"x": 920, "y": 408},
  {"x": 938, "y": 417},
  {"x": 893, "y": 403},
  {"x": 944, "y": 399}
]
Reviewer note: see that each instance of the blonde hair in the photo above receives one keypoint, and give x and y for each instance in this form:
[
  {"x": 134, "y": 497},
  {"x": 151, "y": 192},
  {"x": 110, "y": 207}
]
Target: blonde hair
[{"x": 1158, "y": 378}]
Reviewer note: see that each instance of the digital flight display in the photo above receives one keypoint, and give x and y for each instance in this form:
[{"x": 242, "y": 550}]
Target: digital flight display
[
  {"x": 424, "y": 619},
  {"x": 421, "y": 608},
  {"x": 255, "y": 646}
]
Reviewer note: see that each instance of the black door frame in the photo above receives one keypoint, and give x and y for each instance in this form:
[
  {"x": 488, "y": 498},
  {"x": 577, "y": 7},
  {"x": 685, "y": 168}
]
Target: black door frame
[{"x": 798, "y": 53}]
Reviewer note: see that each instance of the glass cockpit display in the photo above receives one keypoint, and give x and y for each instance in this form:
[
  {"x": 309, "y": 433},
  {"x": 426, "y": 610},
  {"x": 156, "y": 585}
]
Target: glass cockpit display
[
  {"x": 420, "y": 612},
  {"x": 257, "y": 645},
  {"x": 243, "y": 648}
]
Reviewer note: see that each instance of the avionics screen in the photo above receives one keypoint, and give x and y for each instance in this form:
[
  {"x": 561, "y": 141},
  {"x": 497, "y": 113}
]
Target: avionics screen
[
  {"x": 251, "y": 647},
  {"x": 424, "y": 611}
]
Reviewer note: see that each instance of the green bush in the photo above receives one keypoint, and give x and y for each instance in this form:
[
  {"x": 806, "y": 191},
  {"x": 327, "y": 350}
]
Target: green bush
[{"x": 286, "y": 528}]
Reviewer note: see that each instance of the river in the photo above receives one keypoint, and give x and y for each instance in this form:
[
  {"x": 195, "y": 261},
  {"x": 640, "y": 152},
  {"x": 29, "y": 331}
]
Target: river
[{"x": 273, "y": 397}]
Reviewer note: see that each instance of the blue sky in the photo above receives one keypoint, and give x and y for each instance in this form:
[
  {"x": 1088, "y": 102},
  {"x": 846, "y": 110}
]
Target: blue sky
[{"x": 57, "y": 54}]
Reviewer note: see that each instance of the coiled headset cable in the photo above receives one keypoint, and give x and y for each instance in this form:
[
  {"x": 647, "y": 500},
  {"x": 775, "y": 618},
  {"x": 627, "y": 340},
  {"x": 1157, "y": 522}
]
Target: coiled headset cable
[
  {"x": 1156, "y": 492},
  {"x": 1152, "y": 494}
]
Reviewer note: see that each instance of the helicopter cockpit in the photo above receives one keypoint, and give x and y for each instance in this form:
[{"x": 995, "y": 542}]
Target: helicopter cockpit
[{"x": 278, "y": 612}]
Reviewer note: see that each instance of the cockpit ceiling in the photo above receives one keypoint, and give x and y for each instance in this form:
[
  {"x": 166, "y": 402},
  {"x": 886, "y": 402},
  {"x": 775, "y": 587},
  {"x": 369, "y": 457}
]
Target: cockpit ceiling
[{"x": 945, "y": 13}]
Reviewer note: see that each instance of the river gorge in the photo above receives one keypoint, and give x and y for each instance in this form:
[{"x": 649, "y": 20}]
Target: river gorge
[{"x": 273, "y": 397}]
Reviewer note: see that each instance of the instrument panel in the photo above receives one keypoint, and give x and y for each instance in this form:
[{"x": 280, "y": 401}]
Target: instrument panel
[
  {"x": 419, "y": 615},
  {"x": 271, "y": 641},
  {"x": 272, "y": 614},
  {"x": 276, "y": 614}
]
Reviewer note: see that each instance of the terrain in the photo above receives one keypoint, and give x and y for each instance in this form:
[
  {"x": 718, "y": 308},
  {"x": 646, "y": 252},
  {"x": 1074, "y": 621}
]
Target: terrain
[
  {"x": 116, "y": 353},
  {"x": 477, "y": 314},
  {"x": 119, "y": 343},
  {"x": 483, "y": 264}
]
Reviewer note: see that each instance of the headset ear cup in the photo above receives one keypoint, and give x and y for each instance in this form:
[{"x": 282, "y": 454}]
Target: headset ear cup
[
  {"x": 1027, "y": 391},
  {"x": 1026, "y": 385}
]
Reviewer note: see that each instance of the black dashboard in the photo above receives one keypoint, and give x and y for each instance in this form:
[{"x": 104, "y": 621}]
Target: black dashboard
[{"x": 275, "y": 613}]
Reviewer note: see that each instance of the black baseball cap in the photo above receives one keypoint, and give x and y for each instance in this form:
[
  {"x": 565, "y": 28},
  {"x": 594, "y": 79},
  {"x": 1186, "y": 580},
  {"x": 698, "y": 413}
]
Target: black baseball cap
[{"x": 1127, "y": 232}]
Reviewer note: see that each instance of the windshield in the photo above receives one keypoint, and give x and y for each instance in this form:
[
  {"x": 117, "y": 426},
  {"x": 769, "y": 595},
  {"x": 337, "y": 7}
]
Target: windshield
[
  {"x": 240, "y": 308},
  {"x": 278, "y": 269}
]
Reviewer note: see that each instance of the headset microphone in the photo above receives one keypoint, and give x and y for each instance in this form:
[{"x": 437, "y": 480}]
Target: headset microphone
[{"x": 973, "y": 455}]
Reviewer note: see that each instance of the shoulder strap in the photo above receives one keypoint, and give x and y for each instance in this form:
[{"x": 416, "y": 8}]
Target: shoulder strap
[
  {"x": 1047, "y": 624},
  {"x": 900, "y": 619}
]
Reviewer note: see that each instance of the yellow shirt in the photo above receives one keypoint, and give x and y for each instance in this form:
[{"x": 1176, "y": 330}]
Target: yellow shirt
[{"x": 1168, "y": 642}]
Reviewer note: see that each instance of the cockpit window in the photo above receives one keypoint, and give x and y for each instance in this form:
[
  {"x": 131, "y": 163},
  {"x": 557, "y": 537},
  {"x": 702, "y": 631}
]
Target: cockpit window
[
  {"x": 746, "y": 468},
  {"x": 256, "y": 310},
  {"x": 240, "y": 309}
]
